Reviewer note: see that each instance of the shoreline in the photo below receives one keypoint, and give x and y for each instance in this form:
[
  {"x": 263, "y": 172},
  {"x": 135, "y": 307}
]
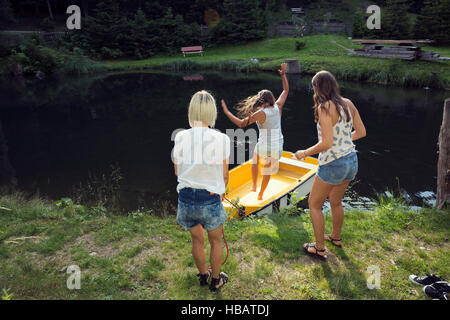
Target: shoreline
[{"x": 320, "y": 52}]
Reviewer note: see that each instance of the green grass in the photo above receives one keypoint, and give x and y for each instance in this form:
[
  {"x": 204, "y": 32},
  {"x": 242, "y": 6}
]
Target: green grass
[
  {"x": 320, "y": 53},
  {"x": 148, "y": 257}
]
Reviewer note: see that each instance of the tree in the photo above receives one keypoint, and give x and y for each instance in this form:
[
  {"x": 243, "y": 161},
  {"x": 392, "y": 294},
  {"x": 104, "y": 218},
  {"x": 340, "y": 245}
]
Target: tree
[
  {"x": 395, "y": 23},
  {"x": 243, "y": 20},
  {"x": 6, "y": 13},
  {"x": 359, "y": 24},
  {"x": 104, "y": 27},
  {"x": 50, "y": 12},
  {"x": 433, "y": 22}
]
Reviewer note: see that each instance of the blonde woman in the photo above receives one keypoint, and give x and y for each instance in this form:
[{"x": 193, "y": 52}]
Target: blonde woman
[
  {"x": 266, "y": 112},
  {"x": 338, "y": 125},
  {"x": 201, "y": 157}
]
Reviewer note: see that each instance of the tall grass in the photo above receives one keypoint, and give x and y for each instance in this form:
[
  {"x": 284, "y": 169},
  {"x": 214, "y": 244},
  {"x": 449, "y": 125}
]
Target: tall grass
[
  {"x": 78, "y": 64},
  {"x": 219, "y": 65}
]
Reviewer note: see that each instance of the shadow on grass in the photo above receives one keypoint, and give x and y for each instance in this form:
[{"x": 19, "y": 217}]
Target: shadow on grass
[{"x": 346, "y": 280}]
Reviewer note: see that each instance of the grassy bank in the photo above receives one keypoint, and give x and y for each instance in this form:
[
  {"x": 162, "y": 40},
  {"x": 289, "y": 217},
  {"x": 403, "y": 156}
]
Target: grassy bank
[
  {"x": 321, "y": 52},
  {"x": 142, "y": 256}
]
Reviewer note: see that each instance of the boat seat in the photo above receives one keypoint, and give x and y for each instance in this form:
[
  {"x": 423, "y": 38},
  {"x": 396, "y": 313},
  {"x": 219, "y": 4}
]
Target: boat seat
[{"x": 297, "y": 163}]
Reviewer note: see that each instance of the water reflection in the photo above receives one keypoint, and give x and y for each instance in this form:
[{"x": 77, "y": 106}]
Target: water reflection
[{"x": 61, "y": 129}]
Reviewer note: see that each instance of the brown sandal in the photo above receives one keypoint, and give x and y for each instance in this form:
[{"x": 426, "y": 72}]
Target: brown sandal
[
  {"x": 314, "y": 254},
  {"x": 330, "y": 239}
]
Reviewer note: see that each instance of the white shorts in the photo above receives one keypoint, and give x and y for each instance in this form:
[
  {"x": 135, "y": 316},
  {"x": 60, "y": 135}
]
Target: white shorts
[{"x": 272, "y": 149}]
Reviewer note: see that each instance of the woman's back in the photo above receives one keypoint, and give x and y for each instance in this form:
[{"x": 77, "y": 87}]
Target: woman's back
[
  {"x": 342, "y": 134},
  {"x": 270, "y": 130},
  {"x": 199, "y": 153}
]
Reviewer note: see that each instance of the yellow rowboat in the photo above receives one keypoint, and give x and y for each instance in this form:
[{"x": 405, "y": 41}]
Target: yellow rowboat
[{"x": 293, "y": 177}]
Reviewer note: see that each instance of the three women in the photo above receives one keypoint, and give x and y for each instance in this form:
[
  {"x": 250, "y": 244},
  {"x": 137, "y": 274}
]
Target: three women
[{"x": 201, "y": 164}]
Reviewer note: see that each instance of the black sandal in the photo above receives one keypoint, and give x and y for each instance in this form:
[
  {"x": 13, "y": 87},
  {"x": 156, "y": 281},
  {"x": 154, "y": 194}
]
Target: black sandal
[
  {"x": 204, "y": 278},
  {"x": 218, "y": 283},
  {"x": 330, "y": 239},
  {"x": 314, "y": 254}
]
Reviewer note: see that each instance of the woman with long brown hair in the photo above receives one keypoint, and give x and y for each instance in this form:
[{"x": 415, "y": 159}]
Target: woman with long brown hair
[
  {"x": 263, "y": 109},
  {"x": 336, "y": 117}
]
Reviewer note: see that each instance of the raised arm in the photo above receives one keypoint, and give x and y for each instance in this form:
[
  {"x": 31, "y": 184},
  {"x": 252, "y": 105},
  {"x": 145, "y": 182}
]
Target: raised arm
[
  {"x": 282, "y": 99},
  {"x": 241, "y": 123}
]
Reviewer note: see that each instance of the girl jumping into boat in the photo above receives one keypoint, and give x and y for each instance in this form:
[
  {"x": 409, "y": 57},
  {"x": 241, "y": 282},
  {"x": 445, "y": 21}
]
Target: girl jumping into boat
[{"x": 263, "y": 109}]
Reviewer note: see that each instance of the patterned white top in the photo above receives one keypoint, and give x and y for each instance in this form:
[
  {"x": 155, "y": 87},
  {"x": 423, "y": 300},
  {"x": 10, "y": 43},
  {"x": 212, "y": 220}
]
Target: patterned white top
[{"x": 342, "y": 140}]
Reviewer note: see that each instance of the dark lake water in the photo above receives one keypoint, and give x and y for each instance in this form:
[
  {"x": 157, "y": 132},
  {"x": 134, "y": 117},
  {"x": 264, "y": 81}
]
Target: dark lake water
[{"x": 61, "y": 131}]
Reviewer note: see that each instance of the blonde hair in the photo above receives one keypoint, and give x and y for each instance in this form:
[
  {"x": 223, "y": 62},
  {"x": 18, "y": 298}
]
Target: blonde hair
[
  {"x": 251, "y": 104},
  {"x": 202, "y": 109}
]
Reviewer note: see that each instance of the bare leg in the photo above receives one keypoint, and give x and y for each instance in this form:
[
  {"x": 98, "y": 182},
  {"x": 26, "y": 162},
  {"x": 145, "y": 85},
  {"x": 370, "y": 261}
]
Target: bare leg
[
  {"x": 337, "y": 210},
  {"x": 198, "y": 248},
  {"x": 318, "y": 195},
  {"x": 265, "y": 179},
  {"x": 255, "y": 164},
  {"x": 215, "y": 239}
]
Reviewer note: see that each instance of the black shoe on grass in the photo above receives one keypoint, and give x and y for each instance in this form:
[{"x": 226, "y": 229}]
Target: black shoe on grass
[
  {"x": 216, "y": 284},
  {"x": 438, "y": 290},
  {"x": 425, "y": 280}
]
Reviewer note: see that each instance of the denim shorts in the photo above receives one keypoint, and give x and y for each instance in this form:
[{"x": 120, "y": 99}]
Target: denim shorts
[
  {"x": 335, "y": 172},
  {"x": 198, "y": 206}
]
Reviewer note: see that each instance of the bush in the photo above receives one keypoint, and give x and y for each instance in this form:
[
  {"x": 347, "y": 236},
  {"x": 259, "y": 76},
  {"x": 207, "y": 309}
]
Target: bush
[
  {"x": 35, "y": 57},
  {"x": 77, "y": 63},
  {"x": 4, "y": 50},
  {"x": 299, "y": 45},
  {"x": 111, "y": 53},
  {"x": 47, "y": 24}
]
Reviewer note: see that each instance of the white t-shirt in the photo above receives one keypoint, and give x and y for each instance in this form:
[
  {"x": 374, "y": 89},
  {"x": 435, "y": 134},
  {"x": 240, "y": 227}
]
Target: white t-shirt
[{"x": 199, "y": 153}]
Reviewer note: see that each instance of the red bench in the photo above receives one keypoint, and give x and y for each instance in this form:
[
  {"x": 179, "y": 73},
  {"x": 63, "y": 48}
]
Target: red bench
[{"x": 197, "y": 49}]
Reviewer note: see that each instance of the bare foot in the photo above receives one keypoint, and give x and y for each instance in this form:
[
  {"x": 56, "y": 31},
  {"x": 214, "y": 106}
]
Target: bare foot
[
  {"x": 253, "y": 189},
  {"x": 260, "y": 196}
]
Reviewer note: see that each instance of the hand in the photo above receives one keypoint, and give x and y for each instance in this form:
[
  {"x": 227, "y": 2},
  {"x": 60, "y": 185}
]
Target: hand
[
  {"x": 300, "y": 155},
  {"x": 221, "y": 197},
  {"x": 224, "y": 106},
  {"x": 283, "y": 69}
]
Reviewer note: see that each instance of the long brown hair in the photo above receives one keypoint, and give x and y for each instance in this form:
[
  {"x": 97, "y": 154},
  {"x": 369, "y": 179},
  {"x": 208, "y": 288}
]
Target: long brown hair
[
  {"x": 327, "y": 89},
  {"x": 251, "y": 104}
]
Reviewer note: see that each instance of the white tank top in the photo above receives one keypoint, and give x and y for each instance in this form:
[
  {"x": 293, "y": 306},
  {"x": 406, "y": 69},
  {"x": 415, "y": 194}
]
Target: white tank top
[
  {"x": 342, "y": 140},
  {"x": 270, "y": 130}
]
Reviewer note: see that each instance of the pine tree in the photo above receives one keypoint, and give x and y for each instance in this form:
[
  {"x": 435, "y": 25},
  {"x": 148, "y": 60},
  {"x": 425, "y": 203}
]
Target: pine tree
[
  {"x": 242, "y": 20},
  {"x": 6, "y": 13},
  {"x": 433, "y": 22},
  {"x": 441, "y": 33},
  {"x": 359, "y": 24},
  {"x": 426, "y": 22},
  {"x": 395, "y": 22}
]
